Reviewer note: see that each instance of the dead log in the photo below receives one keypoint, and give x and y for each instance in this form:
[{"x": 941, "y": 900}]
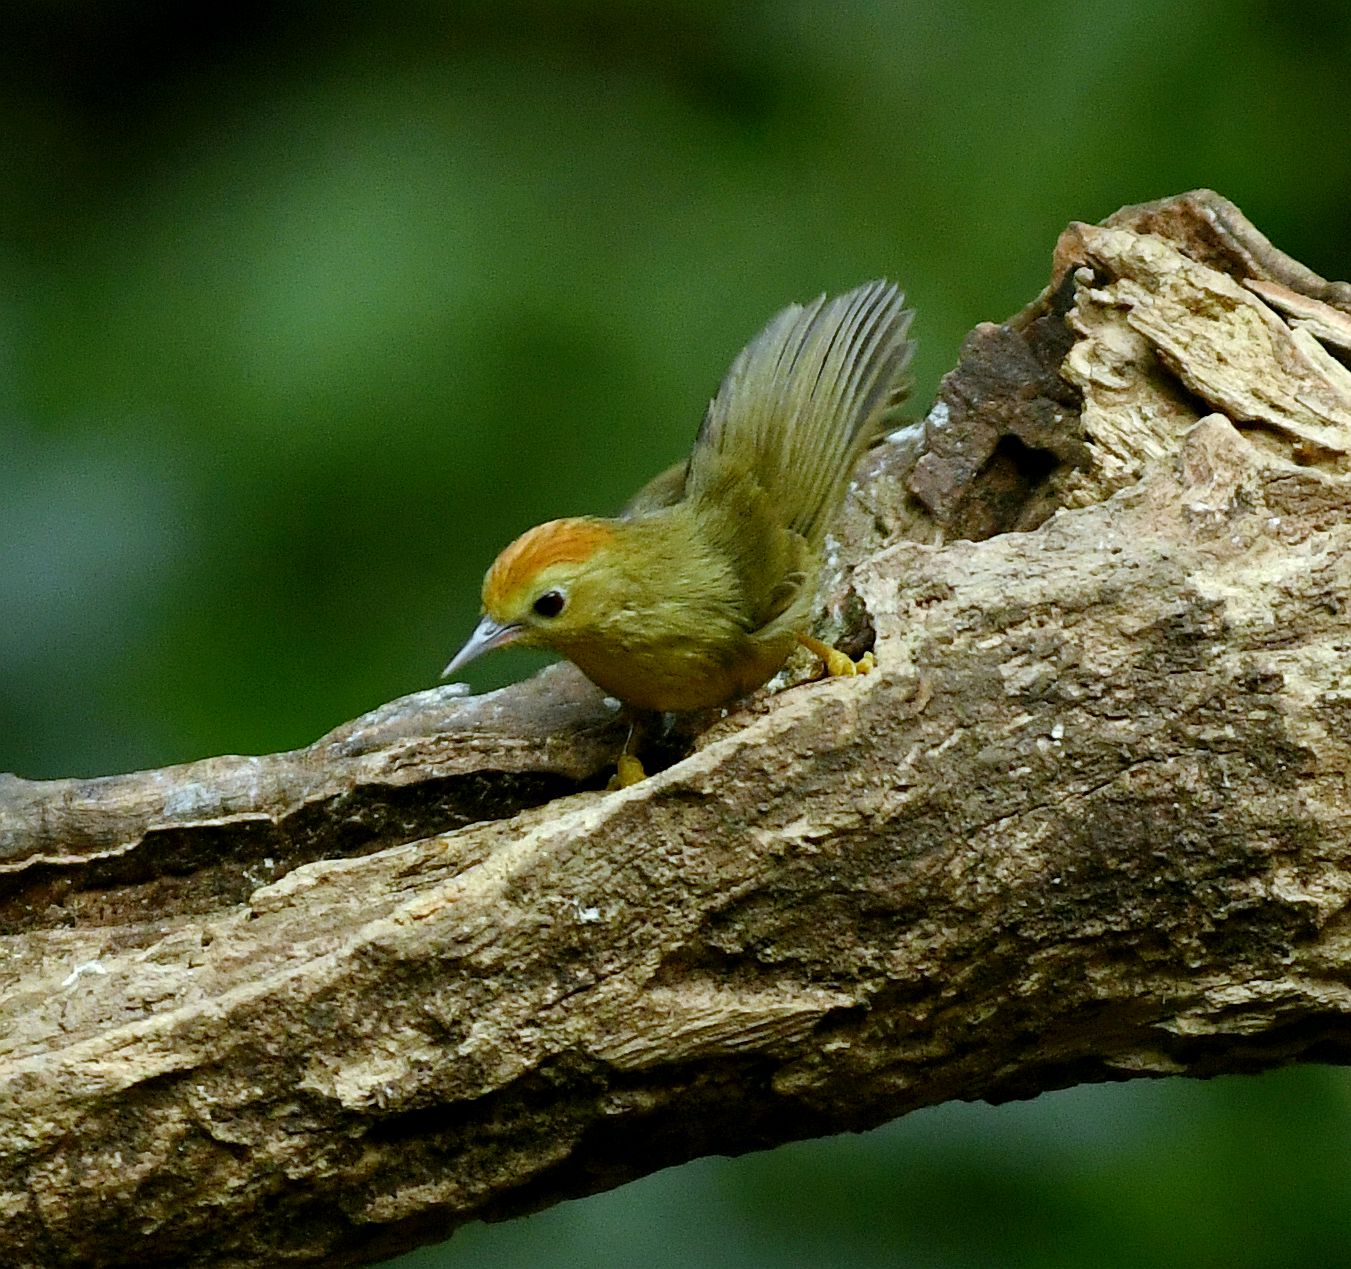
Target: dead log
[{"x": 1088, "y": 821}]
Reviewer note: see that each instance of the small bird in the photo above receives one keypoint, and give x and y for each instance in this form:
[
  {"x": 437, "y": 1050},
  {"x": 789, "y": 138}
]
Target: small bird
[{"x": 698, "y": 591}]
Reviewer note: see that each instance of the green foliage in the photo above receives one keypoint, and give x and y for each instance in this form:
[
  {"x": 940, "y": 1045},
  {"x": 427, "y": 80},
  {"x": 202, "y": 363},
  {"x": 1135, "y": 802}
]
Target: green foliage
[{"x": 305, "y": 313}]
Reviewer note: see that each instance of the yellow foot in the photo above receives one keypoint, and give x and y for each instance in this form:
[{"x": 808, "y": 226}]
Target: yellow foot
[
  {"x": 628, "y": 771},
  {"x": 839, "y": 665}
]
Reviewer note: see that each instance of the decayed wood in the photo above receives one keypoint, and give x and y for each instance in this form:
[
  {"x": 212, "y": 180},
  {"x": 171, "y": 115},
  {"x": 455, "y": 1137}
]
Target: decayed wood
[{"x": 1088, "y": 820}]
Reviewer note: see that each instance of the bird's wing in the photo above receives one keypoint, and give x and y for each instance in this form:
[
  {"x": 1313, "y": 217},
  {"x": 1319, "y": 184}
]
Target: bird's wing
[
  {"x": 740, "y": 525},
  {"x": 803, "y": 401}
]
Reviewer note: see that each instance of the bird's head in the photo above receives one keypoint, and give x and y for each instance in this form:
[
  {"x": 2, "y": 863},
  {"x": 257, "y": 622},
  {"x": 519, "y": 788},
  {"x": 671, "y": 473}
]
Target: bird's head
[{"x": 544, "y": 590}]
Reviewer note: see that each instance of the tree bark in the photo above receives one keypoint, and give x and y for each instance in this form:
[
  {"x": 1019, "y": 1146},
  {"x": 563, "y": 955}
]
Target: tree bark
[{"x": 1088, "y": 820}]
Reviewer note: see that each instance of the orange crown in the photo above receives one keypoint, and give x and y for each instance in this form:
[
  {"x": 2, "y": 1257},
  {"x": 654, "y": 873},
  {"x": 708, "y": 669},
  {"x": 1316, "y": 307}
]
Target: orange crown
[{"x": 556, "y": 542}]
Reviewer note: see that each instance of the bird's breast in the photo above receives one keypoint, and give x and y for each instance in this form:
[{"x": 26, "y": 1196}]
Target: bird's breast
[{"x": 682, "y": 678}]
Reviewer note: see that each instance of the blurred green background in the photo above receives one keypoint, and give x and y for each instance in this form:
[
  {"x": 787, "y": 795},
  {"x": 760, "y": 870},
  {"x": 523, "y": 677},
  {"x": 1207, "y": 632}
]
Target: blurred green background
[{"x": 306, "y": 309}]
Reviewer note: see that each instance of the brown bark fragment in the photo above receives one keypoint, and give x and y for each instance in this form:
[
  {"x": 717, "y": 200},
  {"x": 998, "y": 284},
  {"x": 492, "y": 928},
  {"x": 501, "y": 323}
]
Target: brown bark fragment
[{"x": 1088, "y": 820}]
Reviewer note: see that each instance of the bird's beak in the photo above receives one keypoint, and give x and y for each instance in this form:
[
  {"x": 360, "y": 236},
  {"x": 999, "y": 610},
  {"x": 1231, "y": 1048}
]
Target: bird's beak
[{"x": 488, "y": 634}]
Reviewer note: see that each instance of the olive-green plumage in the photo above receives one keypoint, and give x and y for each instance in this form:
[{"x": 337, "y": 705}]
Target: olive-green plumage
[{"x": 698, "y": 591}]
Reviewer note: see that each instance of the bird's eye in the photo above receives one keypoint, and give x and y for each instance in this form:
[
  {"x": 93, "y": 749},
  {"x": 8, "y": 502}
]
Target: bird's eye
[{"x": 550, "y": 604}]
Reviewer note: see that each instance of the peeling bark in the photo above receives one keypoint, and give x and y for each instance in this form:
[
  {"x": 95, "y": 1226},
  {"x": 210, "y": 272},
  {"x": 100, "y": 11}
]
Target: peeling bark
[{"x": 1087, "y": 821}]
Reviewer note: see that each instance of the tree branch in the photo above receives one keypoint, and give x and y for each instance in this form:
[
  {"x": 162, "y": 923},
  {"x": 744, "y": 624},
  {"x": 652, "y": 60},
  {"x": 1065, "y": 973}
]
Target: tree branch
[{"x": 1087, "y": 821}]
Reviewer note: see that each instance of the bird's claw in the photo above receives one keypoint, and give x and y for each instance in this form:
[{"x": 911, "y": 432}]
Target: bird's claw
[
  {"x": 628, "y": 772},
  {"x": 839, "y": 665}
]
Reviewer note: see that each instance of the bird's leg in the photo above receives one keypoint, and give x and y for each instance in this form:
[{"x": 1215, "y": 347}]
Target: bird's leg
[
  {"x": 838, "y": 664},
  {"x": 628, "y": 769}
]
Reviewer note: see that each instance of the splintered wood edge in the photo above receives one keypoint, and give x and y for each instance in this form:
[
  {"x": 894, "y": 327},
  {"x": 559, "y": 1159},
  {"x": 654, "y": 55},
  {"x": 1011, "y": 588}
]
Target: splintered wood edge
[
  {"x": 1088, "y": 819},
  {"x": 1098, "y": 775}
]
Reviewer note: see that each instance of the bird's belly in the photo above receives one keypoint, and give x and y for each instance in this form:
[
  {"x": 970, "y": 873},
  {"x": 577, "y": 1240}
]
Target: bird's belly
[{"x": 684, "y": 679}]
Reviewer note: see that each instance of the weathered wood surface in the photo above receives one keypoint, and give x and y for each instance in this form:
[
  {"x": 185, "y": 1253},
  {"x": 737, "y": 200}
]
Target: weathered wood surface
[{"x": 1088, "y": 820}]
